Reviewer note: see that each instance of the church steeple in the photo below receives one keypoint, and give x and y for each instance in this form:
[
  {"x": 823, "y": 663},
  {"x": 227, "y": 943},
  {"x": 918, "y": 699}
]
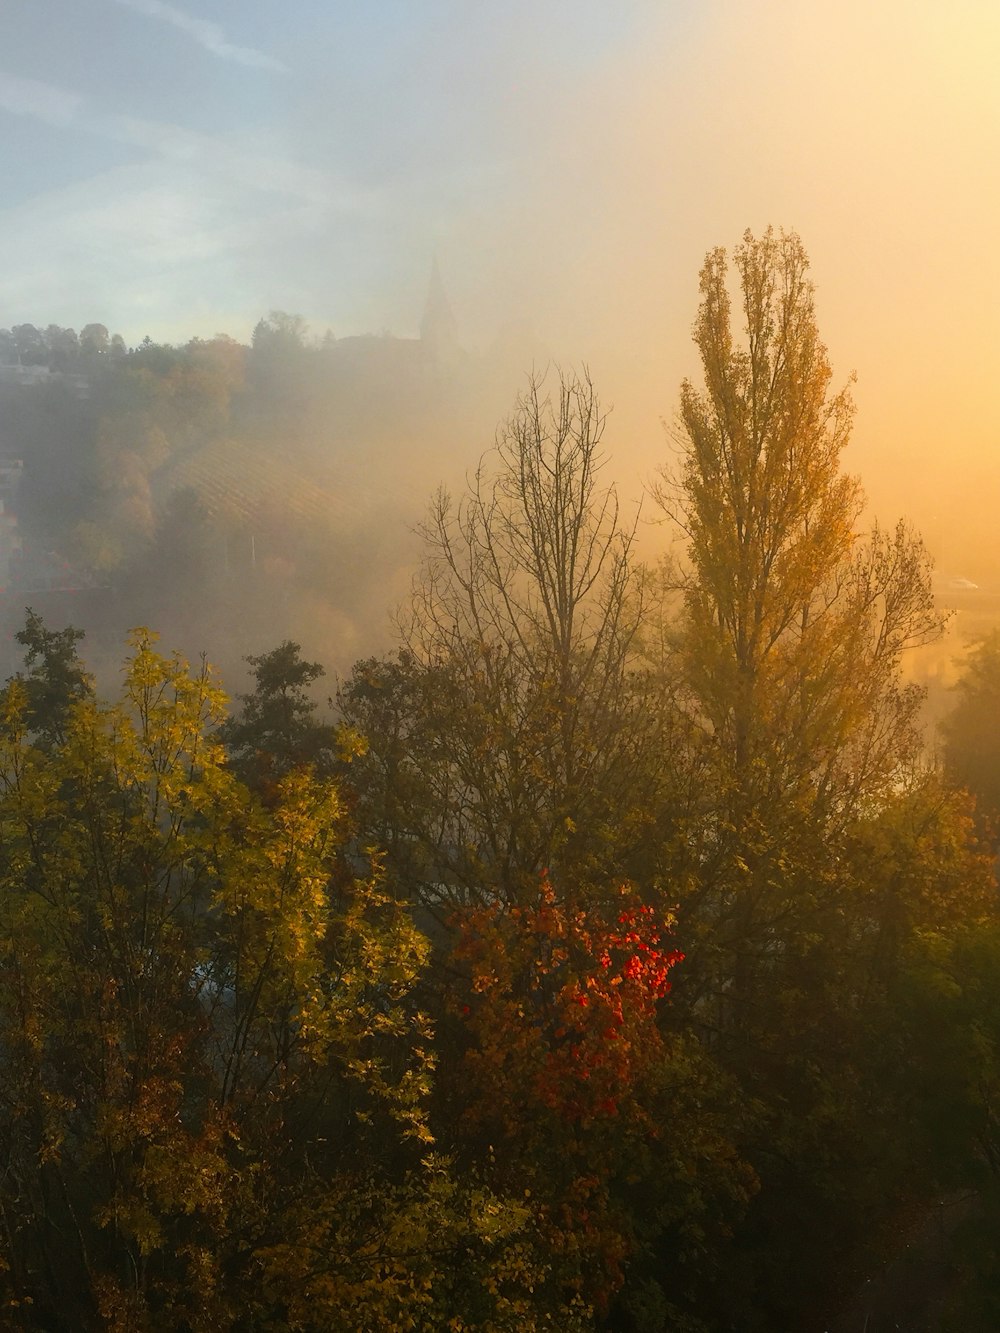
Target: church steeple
[{"x": 438, "y": 330}]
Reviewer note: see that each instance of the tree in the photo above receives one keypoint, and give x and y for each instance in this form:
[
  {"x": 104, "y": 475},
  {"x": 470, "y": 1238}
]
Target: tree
[
  {"x": 793, "y": 627},
  {"x": 55, "y": 679},
  {"x": 971, "y": 731},
  {"x": 94, "y": 340},
  {"x": 276, "y": 730},
  {"x": 30, "y": 345},
  {"x": 216, "y": 1075},
  {"x": 280, "y": 334},
  {"x": 519, "y": 641},
  {"x": 562, "y": 1064},
  {"x": 578, "y": 1094},
  {"x": 805, "y": 750},
  {"x": 63, "y": 347},
  {"x": 279, "y": 366}
]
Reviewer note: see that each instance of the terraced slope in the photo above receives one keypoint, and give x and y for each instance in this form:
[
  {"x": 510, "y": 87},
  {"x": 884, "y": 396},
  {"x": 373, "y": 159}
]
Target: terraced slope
[{"x": 236, "y": 479}]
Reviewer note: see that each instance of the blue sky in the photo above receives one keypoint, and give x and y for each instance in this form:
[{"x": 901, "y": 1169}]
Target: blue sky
[{"x": 166, "y": 164}]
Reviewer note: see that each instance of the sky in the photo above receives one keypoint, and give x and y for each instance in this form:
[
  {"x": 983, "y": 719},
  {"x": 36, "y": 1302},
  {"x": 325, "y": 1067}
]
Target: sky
[{"x": 181, "y": 169}]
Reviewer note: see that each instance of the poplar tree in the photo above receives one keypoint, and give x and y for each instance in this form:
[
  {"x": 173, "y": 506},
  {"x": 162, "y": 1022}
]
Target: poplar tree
[
  {"x": 793, "y": 624},
  {"x": 799, "y": 899}
]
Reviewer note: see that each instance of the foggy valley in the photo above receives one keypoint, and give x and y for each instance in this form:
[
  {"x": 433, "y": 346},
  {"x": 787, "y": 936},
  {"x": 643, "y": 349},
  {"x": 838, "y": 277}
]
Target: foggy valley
[{"x": 500, "y": 659}]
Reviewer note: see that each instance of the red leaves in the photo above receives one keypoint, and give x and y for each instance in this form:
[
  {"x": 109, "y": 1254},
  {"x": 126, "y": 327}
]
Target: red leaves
[
  {"x": 566, "y": 999},
  {"x": 565, "y": 1048}
]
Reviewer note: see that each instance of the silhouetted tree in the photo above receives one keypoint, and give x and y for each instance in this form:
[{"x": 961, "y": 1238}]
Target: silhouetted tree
[
  {"x": 275, "y": 729},
  {"x": 521, "y": 636},
  {"x": 55, "y": 678}
]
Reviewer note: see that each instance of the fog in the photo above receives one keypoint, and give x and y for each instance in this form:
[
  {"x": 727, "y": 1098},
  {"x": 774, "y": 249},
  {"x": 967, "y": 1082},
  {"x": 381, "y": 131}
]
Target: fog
[
  {"x": 568, "y": 167},
  {"x": 578, "y": 948}
]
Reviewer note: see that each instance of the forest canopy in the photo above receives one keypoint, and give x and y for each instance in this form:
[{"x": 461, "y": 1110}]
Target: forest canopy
[{"x": 610, "y": 954}]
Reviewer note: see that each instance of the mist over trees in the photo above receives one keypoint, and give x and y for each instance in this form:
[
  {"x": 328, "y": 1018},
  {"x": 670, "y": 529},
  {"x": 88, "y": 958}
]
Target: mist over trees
[
  {"x": 230, "y": 493},
  {"x": 609, "y": 952}
]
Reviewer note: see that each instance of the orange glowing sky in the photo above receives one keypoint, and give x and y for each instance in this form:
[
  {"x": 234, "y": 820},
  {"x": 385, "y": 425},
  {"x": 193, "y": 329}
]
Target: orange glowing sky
[{"x": 176, "y": 172}]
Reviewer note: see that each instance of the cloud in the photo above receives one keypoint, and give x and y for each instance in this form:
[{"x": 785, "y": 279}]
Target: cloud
[
  {"x": 196, "y": 222},
  {"x": 256, "y": 171},
  {"x": 207, "y": 154},
  {"x": 152, "y": 247},
  {"x": 207, "y": 34},
  {"x": 28, "y": 97}
]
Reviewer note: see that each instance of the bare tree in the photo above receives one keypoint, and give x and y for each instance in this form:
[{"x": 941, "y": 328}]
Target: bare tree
[{"x": 523, "y": 626}]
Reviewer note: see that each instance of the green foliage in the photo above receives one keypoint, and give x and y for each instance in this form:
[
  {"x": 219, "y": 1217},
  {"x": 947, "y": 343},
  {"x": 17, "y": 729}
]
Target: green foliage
[
  {"x": 243, "y": 1089},
  {"x": 216, "y": 1076},
  {"x": 276, "y": 728},
  {"x": 55, "y": 678},
  {"x": 280, "y": 333}
]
